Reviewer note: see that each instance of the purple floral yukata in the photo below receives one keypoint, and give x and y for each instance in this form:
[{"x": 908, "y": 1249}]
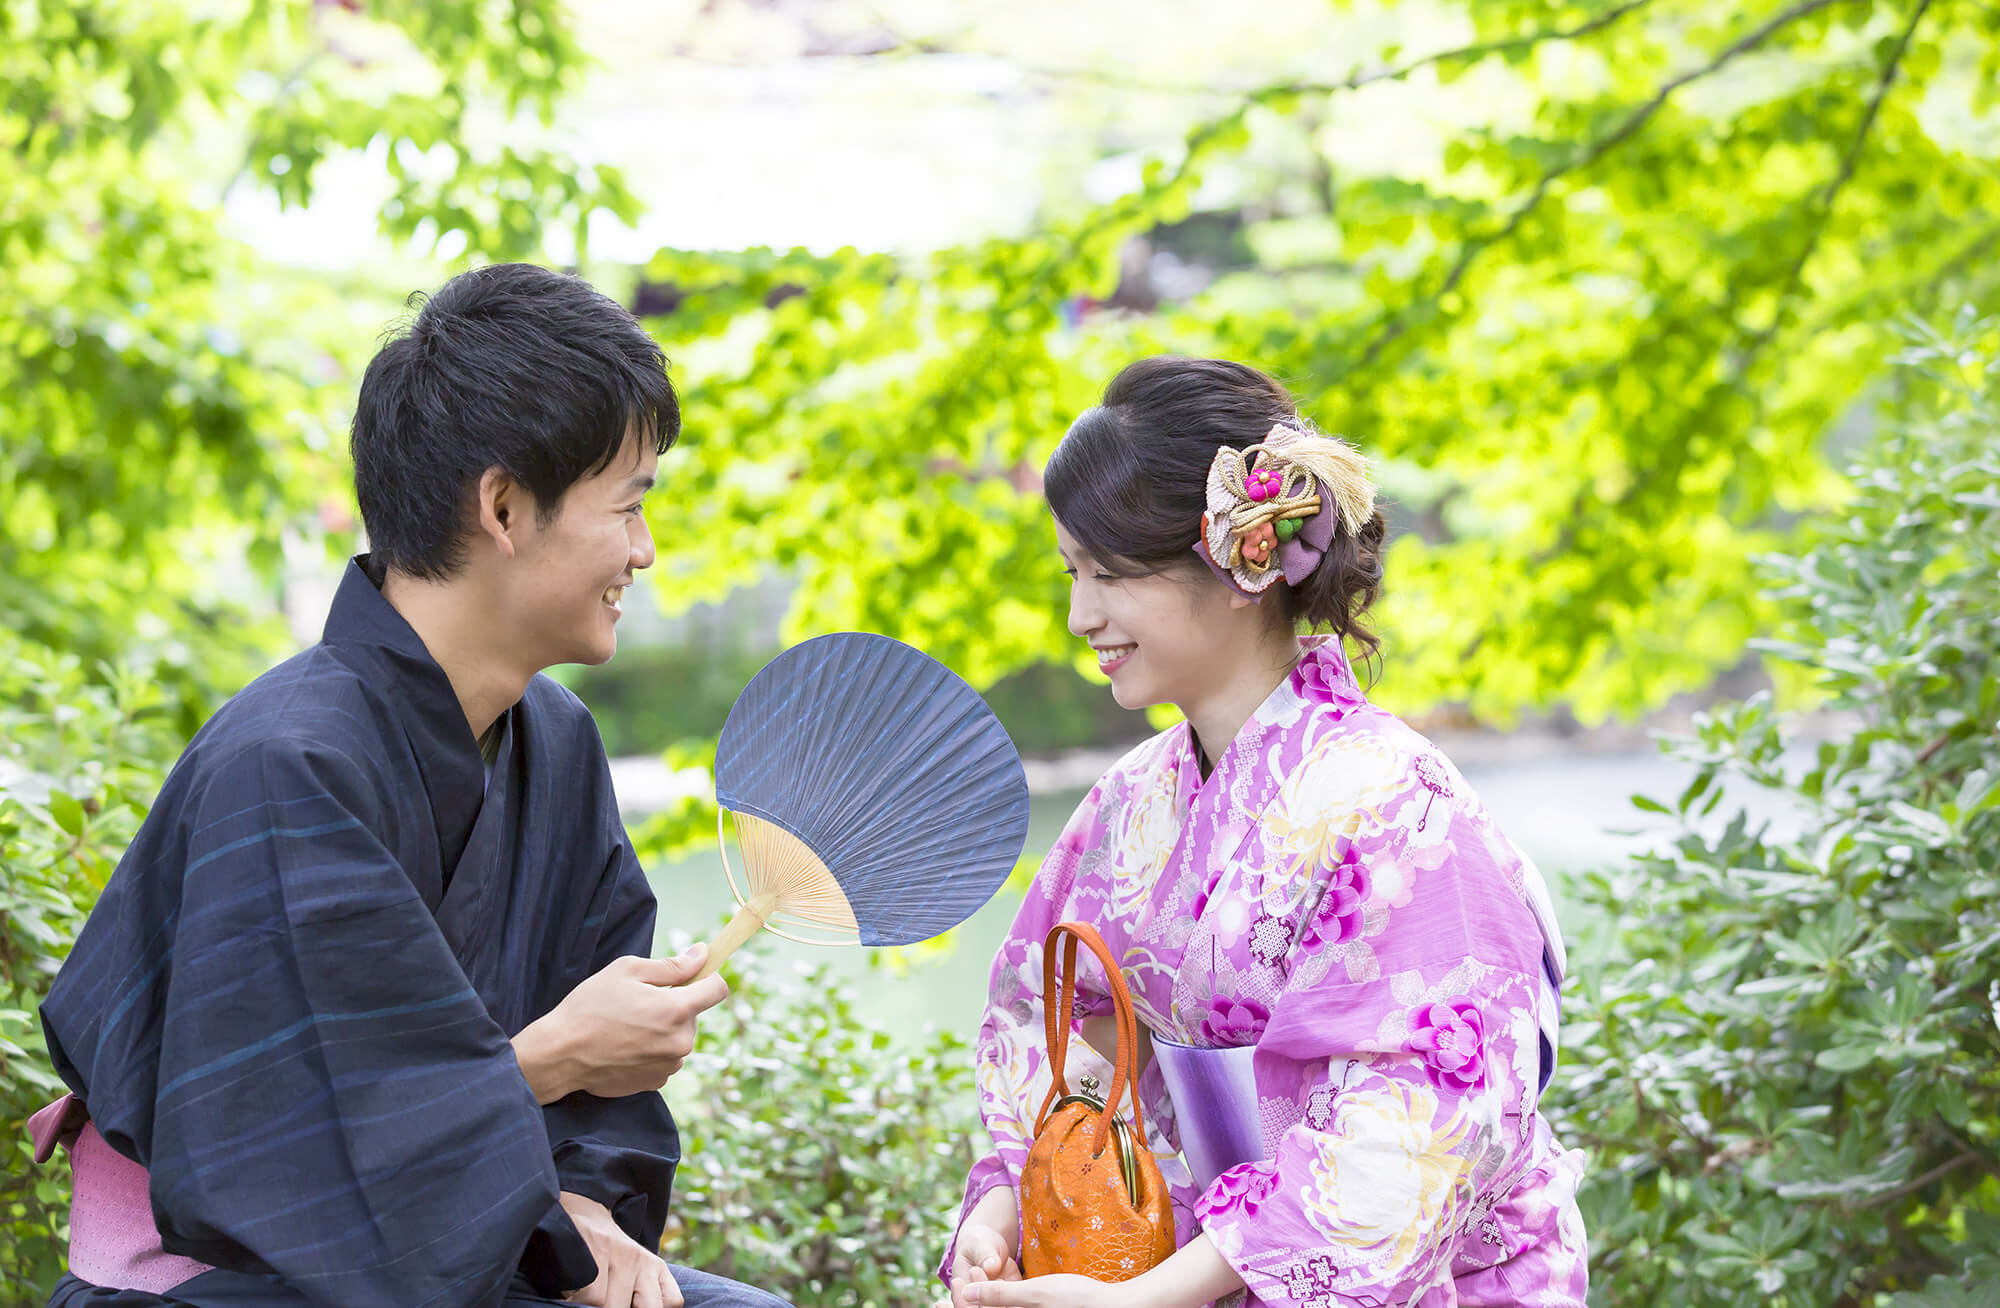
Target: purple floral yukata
[{"x": 1334, "y": 895}]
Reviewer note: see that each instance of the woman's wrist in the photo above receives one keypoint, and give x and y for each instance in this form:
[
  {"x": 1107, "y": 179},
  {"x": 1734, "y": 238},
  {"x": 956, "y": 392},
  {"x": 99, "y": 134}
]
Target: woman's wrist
[
  {"x": 998, "y": 1210},
  {"x": 1195, "y": 1275}
]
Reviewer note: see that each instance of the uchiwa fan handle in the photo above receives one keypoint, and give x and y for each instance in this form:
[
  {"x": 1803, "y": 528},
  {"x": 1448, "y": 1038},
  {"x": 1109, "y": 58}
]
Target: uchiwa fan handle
[
  {"x": 749, "y": 920},
  {"x": 785, "y": 885}
]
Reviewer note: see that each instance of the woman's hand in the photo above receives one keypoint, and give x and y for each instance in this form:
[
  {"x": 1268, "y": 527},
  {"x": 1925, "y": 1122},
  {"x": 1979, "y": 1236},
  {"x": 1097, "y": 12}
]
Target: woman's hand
[
  {"x": 628, "y": 1274},
  {"x": 985, "y": 1248},
  {"x": 1050, "y": 1292},
  {"x": 1196, "y": 1274}
]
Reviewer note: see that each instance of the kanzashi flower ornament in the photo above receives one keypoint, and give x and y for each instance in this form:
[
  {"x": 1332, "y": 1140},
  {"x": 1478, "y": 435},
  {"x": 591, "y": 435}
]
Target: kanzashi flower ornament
[{"x": 1266, "y": 515}]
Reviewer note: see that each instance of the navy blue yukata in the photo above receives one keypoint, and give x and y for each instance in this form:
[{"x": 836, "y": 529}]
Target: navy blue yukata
[{"x": 293, "y": 1003}]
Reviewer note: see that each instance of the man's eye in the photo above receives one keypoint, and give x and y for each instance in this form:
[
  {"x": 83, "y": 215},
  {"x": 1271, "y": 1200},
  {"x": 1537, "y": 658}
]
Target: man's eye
[{"x": 637, "y": 509}]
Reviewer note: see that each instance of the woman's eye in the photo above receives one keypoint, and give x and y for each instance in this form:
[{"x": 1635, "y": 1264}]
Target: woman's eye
[{"x": 1104, "y": 576}]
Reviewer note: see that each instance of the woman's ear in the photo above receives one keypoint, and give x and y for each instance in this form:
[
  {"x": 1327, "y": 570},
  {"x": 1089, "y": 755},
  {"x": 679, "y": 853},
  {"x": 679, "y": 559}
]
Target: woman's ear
[{"x": 503, "y": 504}]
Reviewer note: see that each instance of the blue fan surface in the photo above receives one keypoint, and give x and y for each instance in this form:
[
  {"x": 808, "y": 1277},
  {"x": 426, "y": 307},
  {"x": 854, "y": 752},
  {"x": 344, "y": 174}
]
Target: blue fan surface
[{"x": 890, "y": 768}]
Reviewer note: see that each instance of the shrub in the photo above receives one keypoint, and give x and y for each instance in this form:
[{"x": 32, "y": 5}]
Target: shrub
[
  {"x": 822, "y": 1162},
  {"x": 1789, "y": 1080},
  {"x": 80, "y": 758}
]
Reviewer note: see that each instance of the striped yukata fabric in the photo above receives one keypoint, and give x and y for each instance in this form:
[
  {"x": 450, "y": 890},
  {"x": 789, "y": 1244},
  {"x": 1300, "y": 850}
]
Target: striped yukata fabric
[{"x": 294, "y": 1001}]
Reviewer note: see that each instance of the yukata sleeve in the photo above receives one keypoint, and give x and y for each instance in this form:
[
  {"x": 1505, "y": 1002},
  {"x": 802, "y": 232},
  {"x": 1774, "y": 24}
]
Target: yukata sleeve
[
  {"x": 620, "y": 1152},
  {"x": 1010, "y": 1063},
  {"x": 1395, "y": 1075},
  {"x": 334, "y": 1102}
]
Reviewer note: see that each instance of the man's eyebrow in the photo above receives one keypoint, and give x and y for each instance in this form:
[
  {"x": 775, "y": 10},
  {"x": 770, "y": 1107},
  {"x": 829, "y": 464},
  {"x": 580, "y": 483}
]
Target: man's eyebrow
[{"x": 640, "y": 483}]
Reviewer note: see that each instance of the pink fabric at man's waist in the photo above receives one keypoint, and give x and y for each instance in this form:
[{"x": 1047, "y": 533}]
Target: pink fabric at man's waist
[{"x": 113, "y": 1241}]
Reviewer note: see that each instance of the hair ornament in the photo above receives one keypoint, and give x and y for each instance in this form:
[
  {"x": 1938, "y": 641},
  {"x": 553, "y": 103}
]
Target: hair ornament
[{"x": 1267, "y": 504}]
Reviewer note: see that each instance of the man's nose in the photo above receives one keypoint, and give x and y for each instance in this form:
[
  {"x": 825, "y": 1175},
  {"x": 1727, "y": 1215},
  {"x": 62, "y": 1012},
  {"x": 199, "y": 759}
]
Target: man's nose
[{"x": 642, "y": 547}]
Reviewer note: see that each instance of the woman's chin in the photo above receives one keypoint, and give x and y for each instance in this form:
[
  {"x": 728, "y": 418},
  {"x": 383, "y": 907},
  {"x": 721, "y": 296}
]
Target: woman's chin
[{"x": 1130, "y": 696}]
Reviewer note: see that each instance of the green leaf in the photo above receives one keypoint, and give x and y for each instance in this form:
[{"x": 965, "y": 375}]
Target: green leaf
[{"x": 68, "y": 814}]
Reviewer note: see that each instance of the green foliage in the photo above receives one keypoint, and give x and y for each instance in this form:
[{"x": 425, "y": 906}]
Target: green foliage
[
  {"x": 169, "y": 408},
  {"x": 1786, "y": 1063},
  {"x": 819, "y": 1160},
  {"x": 652, "y": 697},
  {"x": 1596, "y": 338},
  {"x": 79, "y": 759}
]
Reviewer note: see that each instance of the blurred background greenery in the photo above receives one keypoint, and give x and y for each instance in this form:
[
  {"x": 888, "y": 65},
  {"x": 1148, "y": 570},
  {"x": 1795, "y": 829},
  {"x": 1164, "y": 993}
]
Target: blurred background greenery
[{"x": 1614, "y": 292}]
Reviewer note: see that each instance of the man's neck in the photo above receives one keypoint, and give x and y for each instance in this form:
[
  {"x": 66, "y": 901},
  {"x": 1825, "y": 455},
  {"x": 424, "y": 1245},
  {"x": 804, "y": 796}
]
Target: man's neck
[{"x": 456, "y": 625}]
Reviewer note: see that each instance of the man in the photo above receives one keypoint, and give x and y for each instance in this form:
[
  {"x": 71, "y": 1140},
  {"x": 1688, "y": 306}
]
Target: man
[{"x": 369, "y": 996}]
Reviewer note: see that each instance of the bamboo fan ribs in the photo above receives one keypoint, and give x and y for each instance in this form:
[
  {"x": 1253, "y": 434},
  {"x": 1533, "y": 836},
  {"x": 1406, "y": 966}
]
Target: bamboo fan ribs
[{"x": 875, "y": 797}]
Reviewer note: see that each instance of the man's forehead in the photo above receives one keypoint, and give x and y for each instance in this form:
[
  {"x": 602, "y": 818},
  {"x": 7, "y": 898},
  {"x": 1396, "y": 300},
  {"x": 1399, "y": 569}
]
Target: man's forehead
[{"x": 636, "y": 465}]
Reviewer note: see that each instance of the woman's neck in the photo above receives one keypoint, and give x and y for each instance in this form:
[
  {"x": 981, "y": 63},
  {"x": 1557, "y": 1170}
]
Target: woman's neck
[{"x": 1226, "y": 704}]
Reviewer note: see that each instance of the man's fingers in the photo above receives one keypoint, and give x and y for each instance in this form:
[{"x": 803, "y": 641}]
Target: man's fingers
[
  {"x": 1011, "y": 1272},
  {"x": 670, "y": 971},
  {"x": 670, "y": 1289},
  {"x": 646, "y": 1290},
  {"x": 623, "y": 1278},
  {"x": 705, "y": 994}
]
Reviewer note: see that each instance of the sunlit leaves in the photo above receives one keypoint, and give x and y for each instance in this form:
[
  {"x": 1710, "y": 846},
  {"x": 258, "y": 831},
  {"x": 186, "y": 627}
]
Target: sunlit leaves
[{"x": 1781, "y": 1052}]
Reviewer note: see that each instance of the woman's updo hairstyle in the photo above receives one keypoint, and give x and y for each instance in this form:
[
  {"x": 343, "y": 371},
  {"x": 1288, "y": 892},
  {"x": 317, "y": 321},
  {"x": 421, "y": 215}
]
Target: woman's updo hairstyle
[{"x": 1129, "y": 481}]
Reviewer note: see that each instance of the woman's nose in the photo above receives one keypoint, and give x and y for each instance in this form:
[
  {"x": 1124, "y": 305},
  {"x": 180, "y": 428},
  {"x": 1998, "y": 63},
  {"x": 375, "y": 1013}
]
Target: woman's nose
[{"x": 1083, "y": 615}]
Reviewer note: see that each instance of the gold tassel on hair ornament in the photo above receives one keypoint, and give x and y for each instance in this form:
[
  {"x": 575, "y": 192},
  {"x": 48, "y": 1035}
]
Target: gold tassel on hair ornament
[{"x": 1264, "y": 516}]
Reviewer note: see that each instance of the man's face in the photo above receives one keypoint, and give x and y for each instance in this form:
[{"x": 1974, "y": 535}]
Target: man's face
[{"x": 571, "y": 573}]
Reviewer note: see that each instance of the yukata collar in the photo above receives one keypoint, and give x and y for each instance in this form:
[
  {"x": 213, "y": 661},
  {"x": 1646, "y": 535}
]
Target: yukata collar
[
  {"x": 1321, "y": 675},
  {"x": 367, "y": 631}
]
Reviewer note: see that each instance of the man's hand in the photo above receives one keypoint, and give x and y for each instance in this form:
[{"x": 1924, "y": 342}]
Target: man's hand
[
  {"x": 620, "y": 1032},
  {"x": 628, "y": 1275},
  {"x": 984, "y": 1250}
]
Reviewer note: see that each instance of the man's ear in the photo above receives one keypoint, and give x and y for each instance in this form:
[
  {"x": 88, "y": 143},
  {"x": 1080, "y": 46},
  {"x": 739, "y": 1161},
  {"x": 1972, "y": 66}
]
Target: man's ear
[{"x": 504, "y": 509}]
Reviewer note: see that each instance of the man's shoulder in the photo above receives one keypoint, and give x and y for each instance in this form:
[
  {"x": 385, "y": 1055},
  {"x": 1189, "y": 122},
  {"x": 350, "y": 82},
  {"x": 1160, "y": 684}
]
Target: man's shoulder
[
  {"x": 556, "y": 714},
  {"x": 312, "y": 705}
]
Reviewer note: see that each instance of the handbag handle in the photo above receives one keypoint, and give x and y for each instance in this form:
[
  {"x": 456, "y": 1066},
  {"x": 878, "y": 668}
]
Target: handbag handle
[{"x": 1057, "y": 1019}]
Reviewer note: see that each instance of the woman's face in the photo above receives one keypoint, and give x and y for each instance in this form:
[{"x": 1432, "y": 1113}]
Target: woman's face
[{"x": 1165, "y": 638}]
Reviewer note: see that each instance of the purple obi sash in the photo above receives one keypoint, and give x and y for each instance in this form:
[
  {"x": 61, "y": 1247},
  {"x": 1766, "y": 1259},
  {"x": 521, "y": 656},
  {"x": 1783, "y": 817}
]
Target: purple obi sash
[{"x": 1215, "y": 1106}]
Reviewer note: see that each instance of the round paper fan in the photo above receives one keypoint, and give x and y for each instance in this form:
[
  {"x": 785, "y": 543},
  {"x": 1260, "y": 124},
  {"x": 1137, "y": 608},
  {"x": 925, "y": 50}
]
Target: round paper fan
[{"x": 876, "y": 799}]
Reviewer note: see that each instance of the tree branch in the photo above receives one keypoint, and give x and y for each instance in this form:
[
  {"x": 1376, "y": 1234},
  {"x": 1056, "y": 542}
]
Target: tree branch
[
  {"x": 1463, "y": 54},
  {"x": 1831, "y": 192},
  {"x": 905, "y": 45},
  {"x": 1398, "y": 323},
  {"x": 1939, "y": 1172}
]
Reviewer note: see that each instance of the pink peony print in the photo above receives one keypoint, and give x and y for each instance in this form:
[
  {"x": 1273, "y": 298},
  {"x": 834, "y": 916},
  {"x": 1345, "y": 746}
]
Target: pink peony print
[
  {"x": 1322, "y": 680},
  {"x": 1338, "y": 915},
  {"x": 1242, "y": 1188},
  {"x": 1451, "y": 1036},
  {"x": 1233, "y": 1021}
]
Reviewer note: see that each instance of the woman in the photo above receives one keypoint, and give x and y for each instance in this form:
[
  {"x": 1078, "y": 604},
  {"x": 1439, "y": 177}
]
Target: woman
[{"x": 1292, "y": 869}]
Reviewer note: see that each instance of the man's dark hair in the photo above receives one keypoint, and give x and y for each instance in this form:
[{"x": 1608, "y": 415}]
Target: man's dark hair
[{"x": 509, "y": 366}]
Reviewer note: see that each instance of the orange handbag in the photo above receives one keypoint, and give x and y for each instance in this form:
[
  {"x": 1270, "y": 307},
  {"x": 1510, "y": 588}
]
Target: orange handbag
[{"x": 1093, "y": 1202}]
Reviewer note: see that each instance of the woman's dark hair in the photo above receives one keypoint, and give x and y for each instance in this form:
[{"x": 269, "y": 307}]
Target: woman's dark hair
[
  {"x": 1130, "y": 480},
  {"x": 509, "y": 366}
]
